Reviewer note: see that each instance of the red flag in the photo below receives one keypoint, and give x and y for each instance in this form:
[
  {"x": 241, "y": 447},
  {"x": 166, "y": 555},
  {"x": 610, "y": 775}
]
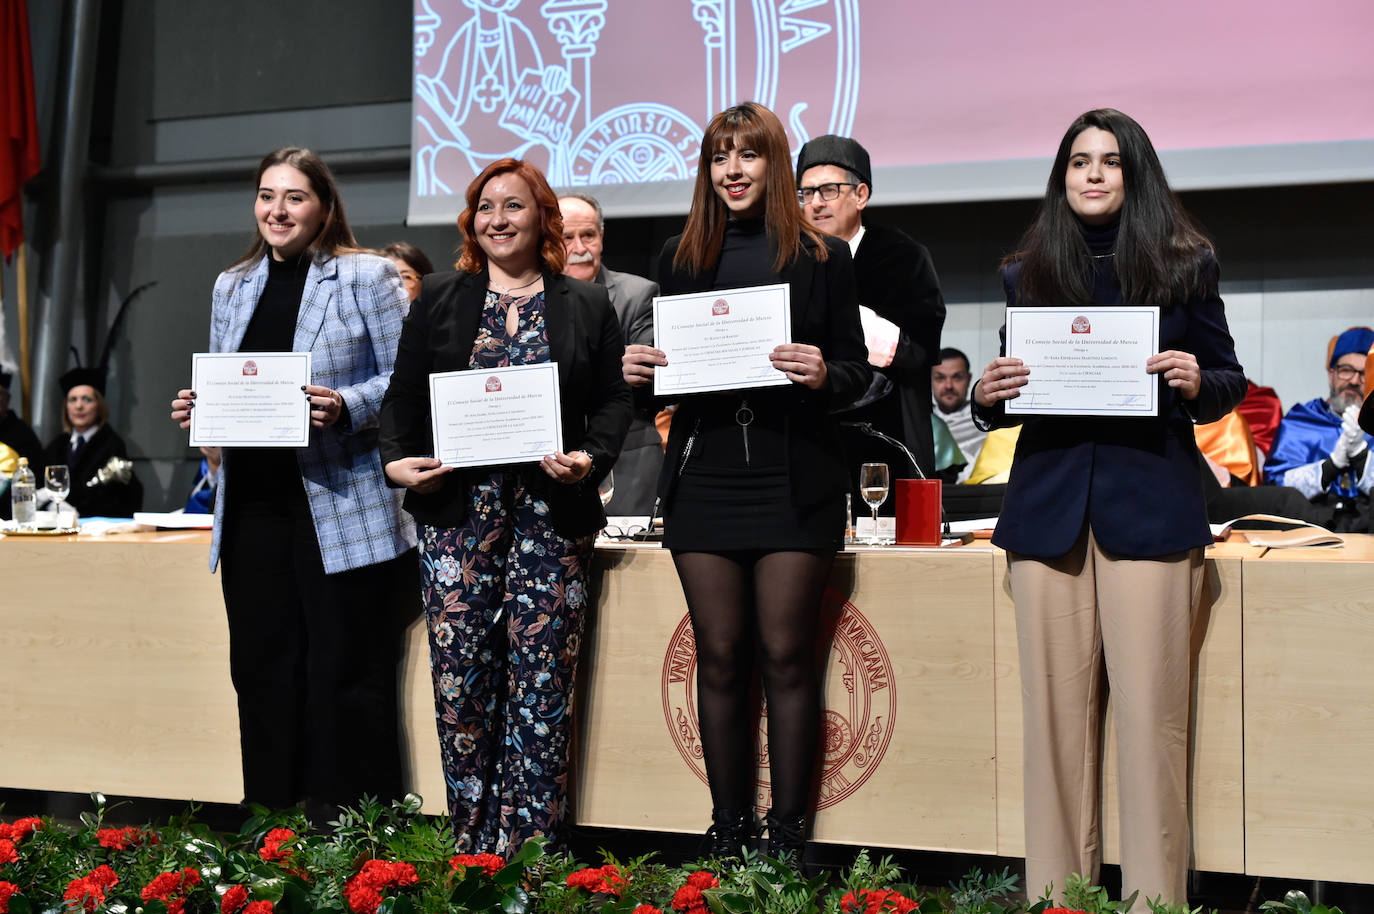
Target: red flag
[{"x": 19, "y": 158}]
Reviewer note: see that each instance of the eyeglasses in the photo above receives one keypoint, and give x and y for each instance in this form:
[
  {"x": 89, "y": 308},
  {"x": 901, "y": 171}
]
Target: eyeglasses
[
  {"x": 827, "y": 192},
  {"x": 1347, "y": 372}
]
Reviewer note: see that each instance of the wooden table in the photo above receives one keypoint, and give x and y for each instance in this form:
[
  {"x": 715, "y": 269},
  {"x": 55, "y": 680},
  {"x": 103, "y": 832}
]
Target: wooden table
[{"x": 115, "y": 662}]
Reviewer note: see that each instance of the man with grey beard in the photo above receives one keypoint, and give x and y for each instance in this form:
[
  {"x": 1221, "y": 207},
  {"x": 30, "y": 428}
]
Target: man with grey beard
[
  {"x": 641, "y": 457},
  {"x": 1319, "y": 448}
]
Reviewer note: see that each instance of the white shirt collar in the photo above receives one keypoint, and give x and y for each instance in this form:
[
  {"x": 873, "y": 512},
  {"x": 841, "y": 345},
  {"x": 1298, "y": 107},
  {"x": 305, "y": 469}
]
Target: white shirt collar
[
  {"x": 85, "y": 436},
  {"x": 854, "y": 242}
]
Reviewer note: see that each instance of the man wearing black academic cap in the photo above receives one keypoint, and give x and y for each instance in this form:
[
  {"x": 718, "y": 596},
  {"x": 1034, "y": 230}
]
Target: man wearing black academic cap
[
  {"x": 16, "y": 434},
  {"x": 87, "y": 447},
  {"x": 899, "y": 297}
]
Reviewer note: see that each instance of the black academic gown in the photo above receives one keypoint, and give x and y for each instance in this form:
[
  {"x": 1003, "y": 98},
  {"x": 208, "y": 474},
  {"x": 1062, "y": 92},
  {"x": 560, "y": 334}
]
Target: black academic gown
[{"x": 112, "y": 500}]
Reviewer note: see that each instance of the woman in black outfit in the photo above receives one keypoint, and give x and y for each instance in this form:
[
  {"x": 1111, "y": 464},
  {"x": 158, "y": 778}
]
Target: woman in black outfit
[
  {"x": 753, "y": 482},
  {"x": 86, "y": 445},
  {"x": 1104, "y": 521}
]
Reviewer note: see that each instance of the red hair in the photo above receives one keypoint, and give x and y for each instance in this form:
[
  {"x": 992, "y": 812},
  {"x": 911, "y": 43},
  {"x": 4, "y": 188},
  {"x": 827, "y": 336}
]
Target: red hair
[{"x": 552, "y": 254}]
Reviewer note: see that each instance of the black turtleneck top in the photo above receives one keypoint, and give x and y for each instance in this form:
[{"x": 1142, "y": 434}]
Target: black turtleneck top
[
  {"x": 746, "y": 259},
  {"x": 1101, "y": 240},
  {"x": 268, "y": 474}
]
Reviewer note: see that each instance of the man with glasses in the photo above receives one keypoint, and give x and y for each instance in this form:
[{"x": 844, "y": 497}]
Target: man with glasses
[
  {"x": 900, "y": 303},
  {"x": 1319, "y": 448}
]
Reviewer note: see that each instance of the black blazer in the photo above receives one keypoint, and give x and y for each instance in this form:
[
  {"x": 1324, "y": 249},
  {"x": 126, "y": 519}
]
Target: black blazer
[
  {"x": 825, "y": 314},
  {"x": 1136, "y": 481},
  {"x": 120, "y": 499},
  {"x": 585, "y": 340},
  {"x": 896, "y": 278}
]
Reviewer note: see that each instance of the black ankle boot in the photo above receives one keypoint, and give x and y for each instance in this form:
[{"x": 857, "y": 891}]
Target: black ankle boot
[
  {"x": 730, "y": 831},
  {"x": 787, "y": 839}
]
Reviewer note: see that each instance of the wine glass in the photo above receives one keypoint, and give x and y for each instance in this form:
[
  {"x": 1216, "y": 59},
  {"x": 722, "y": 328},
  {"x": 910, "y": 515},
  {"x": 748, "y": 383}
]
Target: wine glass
[
  {"x": 873, "y": 486},
  {"x": 606, "y": 488},
  {"x": 59, "y": 483}
]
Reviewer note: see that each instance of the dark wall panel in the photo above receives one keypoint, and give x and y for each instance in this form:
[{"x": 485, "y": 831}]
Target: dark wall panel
[{"x": 266, "y": 55}]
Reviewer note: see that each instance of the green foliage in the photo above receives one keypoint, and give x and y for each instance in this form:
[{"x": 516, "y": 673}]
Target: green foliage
[
  {"x": 1296, "y": 902},
  {"x": 308, "y": 868},
  {"x": 979, "y": 893}
]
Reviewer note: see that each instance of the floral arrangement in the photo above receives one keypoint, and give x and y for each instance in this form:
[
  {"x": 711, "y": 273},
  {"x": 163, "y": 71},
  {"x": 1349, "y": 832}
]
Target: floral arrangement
[{"x": 391, "y": 860}]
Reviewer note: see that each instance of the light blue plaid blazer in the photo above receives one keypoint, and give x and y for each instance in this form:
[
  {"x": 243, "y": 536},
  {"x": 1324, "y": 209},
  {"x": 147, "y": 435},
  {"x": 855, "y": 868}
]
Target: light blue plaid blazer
[{"x": 350, "y": 321}]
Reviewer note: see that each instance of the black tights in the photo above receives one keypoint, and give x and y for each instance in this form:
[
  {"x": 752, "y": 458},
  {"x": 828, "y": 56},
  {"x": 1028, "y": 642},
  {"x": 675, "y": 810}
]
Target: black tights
[{"x": 734, "y": 599}]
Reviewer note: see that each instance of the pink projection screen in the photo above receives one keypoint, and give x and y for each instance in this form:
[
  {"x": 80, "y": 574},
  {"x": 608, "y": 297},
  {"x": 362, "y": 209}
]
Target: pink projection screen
[{"x": 954, "y": 101}]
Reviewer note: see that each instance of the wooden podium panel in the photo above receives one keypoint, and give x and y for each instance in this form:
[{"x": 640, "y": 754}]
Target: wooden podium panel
[
  {"x": 909, "y": 702},
  {"x": 1309, "y": 713},
  {"x": 1218, "y": 769},
  {"x": 115, "y": 661}
]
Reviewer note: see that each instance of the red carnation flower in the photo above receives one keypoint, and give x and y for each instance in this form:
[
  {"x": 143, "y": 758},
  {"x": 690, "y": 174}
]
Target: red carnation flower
[
  {"x": 122, "y": 839},
  {"x": 165, "y": 885},
  {"x": 235, "y": 898},
  {"x": 363, "y": 891},
  {"x": 258, "y": 907},
  {"x": 646, "y": 909},
  {"x": 89, "y": 890},
  {"x": 689, "y": 899},
  {"x": 491, "y": 864},
  {"x": 877, "y": 901},
  {"x": 703, "y": 879},
  {"x": 271, "y": 849},
  {"x": 6, "y": 890},
  {"x": 7, "y": 852},
  {"x": 20, "y": 829},
  {"x": 604, "y": 879}
]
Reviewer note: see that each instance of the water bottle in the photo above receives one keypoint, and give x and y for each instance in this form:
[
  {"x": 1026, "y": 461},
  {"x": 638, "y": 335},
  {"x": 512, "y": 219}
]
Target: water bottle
[{"x": 23, "y": 500}]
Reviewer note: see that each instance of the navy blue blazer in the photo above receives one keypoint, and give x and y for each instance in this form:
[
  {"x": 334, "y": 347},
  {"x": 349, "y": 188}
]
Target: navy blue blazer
[{"x": 1137, "y": 482}]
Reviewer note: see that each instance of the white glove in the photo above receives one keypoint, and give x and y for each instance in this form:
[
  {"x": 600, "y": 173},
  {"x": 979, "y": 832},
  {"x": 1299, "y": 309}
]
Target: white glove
[
  {"x": 1355, "y": 443},
  {"x": 1340, "y": 454}
]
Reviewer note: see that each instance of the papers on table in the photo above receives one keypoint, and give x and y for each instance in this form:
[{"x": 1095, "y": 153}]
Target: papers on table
[
  {"x": 250, "y": 399},
  {"x": 721, "y": 340},
  {"x": 1085, "y": 361},
  {"x": 496, "y": 415}
]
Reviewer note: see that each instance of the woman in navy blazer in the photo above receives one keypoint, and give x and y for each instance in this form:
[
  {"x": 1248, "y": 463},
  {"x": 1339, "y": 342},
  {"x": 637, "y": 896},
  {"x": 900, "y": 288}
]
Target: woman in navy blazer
[
  {"x": 506, "y": 550},
  {"x": 1104, "y": 519},
  {"x": 753, "y": 481},
  {"x": 316, "y": 553}
]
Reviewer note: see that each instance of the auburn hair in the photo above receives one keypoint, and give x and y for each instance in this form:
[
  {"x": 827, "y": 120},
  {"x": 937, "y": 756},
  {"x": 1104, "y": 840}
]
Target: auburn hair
[{"x": 552, "y": 254}]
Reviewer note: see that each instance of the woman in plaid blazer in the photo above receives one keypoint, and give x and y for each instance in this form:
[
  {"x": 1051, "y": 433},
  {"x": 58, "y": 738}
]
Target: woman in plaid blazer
[{"x": 315, "y": 551}]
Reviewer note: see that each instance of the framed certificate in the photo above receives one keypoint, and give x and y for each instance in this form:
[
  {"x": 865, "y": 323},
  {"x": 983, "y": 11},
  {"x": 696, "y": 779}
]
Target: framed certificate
[
  {"x": 488, "y": 416},
  {"x": 250, "y": 399},
  {"x": 721, "y": 340},
  {"x": 1085, "y": 361}
]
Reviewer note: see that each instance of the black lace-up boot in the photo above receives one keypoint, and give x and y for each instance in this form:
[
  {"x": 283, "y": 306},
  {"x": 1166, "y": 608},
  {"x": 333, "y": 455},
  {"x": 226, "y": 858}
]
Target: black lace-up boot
[
  {"x": 730, "y": 831},
  {"x": 787, "y": 839}
]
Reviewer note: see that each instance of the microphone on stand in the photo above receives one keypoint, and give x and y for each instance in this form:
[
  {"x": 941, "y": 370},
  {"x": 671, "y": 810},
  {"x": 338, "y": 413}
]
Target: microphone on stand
[{"x": 868, "y": 429}]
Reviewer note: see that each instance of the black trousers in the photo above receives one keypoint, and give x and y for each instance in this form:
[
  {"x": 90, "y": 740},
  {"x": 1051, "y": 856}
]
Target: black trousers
[{"x": 313, "y": 658}]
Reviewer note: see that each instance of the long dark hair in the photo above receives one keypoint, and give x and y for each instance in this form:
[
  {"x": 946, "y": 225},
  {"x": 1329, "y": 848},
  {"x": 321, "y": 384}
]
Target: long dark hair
[
  {"x": 552, "y": 252},
  {"x": 751, "y": 126},
  {"x": 335, "y": 237},
  {"x": 1159, "y": 247}
]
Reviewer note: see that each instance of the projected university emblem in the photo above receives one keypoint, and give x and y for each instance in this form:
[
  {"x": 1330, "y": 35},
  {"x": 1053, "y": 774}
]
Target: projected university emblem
[
  {"x": 618, "y": 91},
  {"x": 860, "y": 698}
]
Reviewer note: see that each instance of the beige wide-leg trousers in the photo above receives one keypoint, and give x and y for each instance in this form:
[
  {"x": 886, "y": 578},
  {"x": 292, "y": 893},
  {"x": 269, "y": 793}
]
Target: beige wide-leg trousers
[{"x": 1070, "y": 612}]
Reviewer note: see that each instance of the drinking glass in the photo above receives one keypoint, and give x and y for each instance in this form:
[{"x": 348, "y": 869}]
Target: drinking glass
[
  {"x": 873, "y": 485},
  {"x": 606, "y": 488},
  {"x": 59, "y": 483}
]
